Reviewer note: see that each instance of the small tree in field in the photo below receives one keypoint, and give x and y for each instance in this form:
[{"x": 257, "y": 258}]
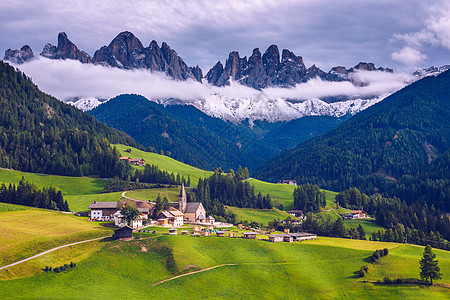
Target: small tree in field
[
  {"x": 429, "y": 268},
  {"x": 130, "y": 213}
]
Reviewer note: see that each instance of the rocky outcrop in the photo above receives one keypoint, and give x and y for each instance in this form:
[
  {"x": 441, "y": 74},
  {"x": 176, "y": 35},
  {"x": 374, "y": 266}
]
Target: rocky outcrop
[
  {"x": 65, "y": 50},
  {"x": 261, "y": 72},
  {"x": 126, "y": 52},
  {"x": 19, "y": 56}
]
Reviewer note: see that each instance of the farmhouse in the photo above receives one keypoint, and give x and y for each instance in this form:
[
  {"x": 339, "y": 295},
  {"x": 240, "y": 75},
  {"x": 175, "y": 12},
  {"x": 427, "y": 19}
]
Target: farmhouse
[
  {"x": 290, "y": 182},
  {"x": 171, "y": 218},
  {"x": 103, "y": 211},
  {"x": 119, "y": 220},
  {"x": 291, "y": 237},
  {"x": 144, "y": 207},
  {"x": 124, "y": 233},
  {"x": 297, "y": 213},
  {"x": 134, "y": 161},
  {"x": 356, "y": 214}
]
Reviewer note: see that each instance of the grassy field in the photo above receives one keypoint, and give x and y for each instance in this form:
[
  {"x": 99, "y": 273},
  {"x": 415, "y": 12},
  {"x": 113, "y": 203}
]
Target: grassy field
[
  {"x": 172, "y": 194},
  {"x": 257, "y": 215},
  {"x": 25, "y": 233},
  {"x": 165, "y": 163},
  {"x": 323, "y": 268},
  {"x": 78, "y": 191}
]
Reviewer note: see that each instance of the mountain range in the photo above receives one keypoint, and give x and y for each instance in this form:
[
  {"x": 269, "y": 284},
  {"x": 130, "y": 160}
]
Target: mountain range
[
  {"x": 399, "y": 146},
  {"x": 259, "y": 71}
]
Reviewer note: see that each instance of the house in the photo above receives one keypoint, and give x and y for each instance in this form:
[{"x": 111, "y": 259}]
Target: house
[
  {"x": 356, "y": 214},
  {"x": 290, "y": 182},
  {"x": 171, "y": 217},
  {"x": 124, "y": 233},
  {"x": 137, "y": 162},
  {"x": 249, "y": 235},
  {"x": 103, "y": 211},
  {"x": 173, "y": 231},
  {"x": 220, "y": 233},
  {"x": 144, "y": 207},
  {"x": 210, "y": 220},
  {"x": 119, "y": 220},
  {"x": 134, "y": 161},
  {"x": 291, "y": 237},
  {"x": 297, "y": 213}
]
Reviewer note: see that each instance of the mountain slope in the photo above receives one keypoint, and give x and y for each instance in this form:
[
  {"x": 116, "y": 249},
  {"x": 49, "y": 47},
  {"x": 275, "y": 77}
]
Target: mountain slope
[
  {"x": 195, "y": 138},
  {"x": 38, "y": 133},
  {"x": 392, "y": 143}
]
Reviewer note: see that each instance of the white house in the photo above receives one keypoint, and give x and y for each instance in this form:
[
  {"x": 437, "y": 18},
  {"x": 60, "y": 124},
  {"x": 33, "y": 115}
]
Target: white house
[
  {"x": 103, "y": 211},
  {"x": 120, "y": 222}
]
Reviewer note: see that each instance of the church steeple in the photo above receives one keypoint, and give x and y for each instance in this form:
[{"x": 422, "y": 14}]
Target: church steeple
[{"x": 182, "y": 199}]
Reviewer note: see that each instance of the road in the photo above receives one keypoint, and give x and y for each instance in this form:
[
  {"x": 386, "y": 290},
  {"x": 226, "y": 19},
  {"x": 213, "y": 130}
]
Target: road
[{"x": 51, "y": 250}]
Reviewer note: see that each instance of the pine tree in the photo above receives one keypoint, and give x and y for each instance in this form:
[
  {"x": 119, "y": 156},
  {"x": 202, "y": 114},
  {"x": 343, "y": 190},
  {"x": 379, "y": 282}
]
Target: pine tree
[{"x": 429, "y": 268}]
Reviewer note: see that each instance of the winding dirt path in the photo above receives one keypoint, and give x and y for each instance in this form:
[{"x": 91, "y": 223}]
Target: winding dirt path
[
  {"x": 51, "y": 250},
  {"x": 190, "y": 273}
]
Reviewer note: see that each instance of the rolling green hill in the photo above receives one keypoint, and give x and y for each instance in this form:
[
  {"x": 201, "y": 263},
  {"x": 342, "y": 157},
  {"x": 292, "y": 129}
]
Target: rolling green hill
[
  {"x": 324, "y": 268},
  {"x": 41, "y": 134},
  {"x": 78, "y": 191},
  {"x": 399, "y": 146}
]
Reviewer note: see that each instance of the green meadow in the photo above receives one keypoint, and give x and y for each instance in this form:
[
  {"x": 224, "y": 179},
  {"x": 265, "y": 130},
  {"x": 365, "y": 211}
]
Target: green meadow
[
  {"x": 26, "y": 232},
  {"x": 172, "y": 194},
  {"x": 263, "y": 216},
  {"x": 368, "y": 225},
  {"x": 324, "y": 268},
  {"x": 78, "y": 191}
]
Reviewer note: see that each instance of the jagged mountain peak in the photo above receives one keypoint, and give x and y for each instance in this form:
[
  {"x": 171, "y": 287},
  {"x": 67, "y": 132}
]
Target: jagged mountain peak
[{"x": 19, "y": 56}]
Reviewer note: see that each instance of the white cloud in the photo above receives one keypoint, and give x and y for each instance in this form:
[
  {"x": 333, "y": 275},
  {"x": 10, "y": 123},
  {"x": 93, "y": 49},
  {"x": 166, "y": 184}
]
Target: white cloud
[
  {"x": 66, "y": 79},
  {"x": 409, "y": 56}
]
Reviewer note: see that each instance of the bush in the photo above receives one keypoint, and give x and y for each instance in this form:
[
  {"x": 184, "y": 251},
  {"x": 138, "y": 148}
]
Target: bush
[
  {"x": 374, "y": 259},
  {"x": 386, "y": 251},
  {"x": 56, "y": 270},
  {"x": 387, "y": 280},
  {"x": 366, "y": 268},
  {"x": 398, "y": 280},
  {"x": 376, "y": 254},
  {"x": 362, "y": 272}
]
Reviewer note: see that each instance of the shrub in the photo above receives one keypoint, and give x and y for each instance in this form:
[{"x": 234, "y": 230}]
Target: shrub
[
  {"x": 376, "y": 254},
  {"x": 362, "y": 272},
  {"x": 374, "y": 259},
  {"x": 56, "y": 270},
  {"x": 398, "y": 280},
  {"x": 386, "y": 251},
  {"x": 366, "y": 268},
  {"x": 387, "y": 280}
]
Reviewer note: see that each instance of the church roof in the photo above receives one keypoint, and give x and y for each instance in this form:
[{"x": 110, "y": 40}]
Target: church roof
[{"x": 192, "y": 207}]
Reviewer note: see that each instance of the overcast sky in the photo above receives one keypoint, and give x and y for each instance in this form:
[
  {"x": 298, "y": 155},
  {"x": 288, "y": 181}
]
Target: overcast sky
[{"x": 401, "y": 34}]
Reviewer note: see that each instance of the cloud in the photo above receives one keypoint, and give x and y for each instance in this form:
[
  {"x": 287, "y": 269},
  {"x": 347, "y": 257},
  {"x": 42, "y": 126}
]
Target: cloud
[
  {"x": 409, "y": 56},
  {"x": 66, "y": 79}
]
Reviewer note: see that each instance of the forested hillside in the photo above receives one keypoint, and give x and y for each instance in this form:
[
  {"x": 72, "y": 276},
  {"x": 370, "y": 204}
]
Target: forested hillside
[
  {"x": 193, "y": 137},
  {"x": 399, "y": 146},
  {"x": 38, "y": 133}
]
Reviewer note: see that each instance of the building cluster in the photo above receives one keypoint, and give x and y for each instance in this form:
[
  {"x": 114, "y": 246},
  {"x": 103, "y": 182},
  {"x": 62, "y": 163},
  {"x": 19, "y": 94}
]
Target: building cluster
[
  {"x": 187, "y": 212},
  {"x": 134, "y": 161},
  {"x": 288, "y": 181},
  {"x": 356, "y": 214}
]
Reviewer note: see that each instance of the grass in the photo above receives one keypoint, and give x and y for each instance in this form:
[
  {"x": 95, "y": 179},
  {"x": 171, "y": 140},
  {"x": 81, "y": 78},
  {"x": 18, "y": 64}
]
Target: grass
[
  {"x": 172, "y": 194},
  {"x": 5, "y": 207},
  {"x": 28, "y": 232},
  {"x": 257, "y": 215},
  {"x": 323, "y": 268},
  {"x": 78, "y": 191},
  {"x": 165, "y": 163}
]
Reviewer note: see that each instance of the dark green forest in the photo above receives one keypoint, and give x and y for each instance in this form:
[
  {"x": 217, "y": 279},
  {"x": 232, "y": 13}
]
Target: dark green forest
[
  {"x": 398, "y": 147},
  {"x": 197, "y": 139},
  {"x": 38, "y": 133}
]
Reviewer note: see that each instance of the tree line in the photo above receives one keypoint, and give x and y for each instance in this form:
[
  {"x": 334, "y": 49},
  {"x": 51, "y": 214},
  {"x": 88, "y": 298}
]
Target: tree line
[
  {"x": 28, "y": 194},
  {"x": 309, "y": 197}
]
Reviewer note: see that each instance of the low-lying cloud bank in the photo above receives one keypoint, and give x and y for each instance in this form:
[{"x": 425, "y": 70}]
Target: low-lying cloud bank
[{"x": 66, "y": 79}]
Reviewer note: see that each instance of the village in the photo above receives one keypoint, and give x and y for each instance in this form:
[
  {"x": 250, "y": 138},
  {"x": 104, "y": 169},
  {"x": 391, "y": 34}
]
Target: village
[{"x": 188, "y": 218}]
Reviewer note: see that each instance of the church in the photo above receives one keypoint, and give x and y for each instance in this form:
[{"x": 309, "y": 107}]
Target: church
[{"x": 193, "y": 211}]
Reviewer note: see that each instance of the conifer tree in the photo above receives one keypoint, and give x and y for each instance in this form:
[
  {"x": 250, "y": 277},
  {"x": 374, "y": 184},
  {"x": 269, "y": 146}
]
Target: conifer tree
[{"x": 429, "y": 268}]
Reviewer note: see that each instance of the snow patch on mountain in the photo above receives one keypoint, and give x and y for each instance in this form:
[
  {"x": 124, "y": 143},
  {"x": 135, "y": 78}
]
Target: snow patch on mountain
[{"x": 86, "y": 104}]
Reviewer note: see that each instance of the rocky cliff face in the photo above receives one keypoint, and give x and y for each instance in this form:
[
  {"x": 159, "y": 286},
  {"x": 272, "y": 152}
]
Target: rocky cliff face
[
  {"x": 65, "y": 50},
  {"x": 127, "y": 52},
  {"x": 268, "y": 70},
  {"x": 19, "y": 56}
]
